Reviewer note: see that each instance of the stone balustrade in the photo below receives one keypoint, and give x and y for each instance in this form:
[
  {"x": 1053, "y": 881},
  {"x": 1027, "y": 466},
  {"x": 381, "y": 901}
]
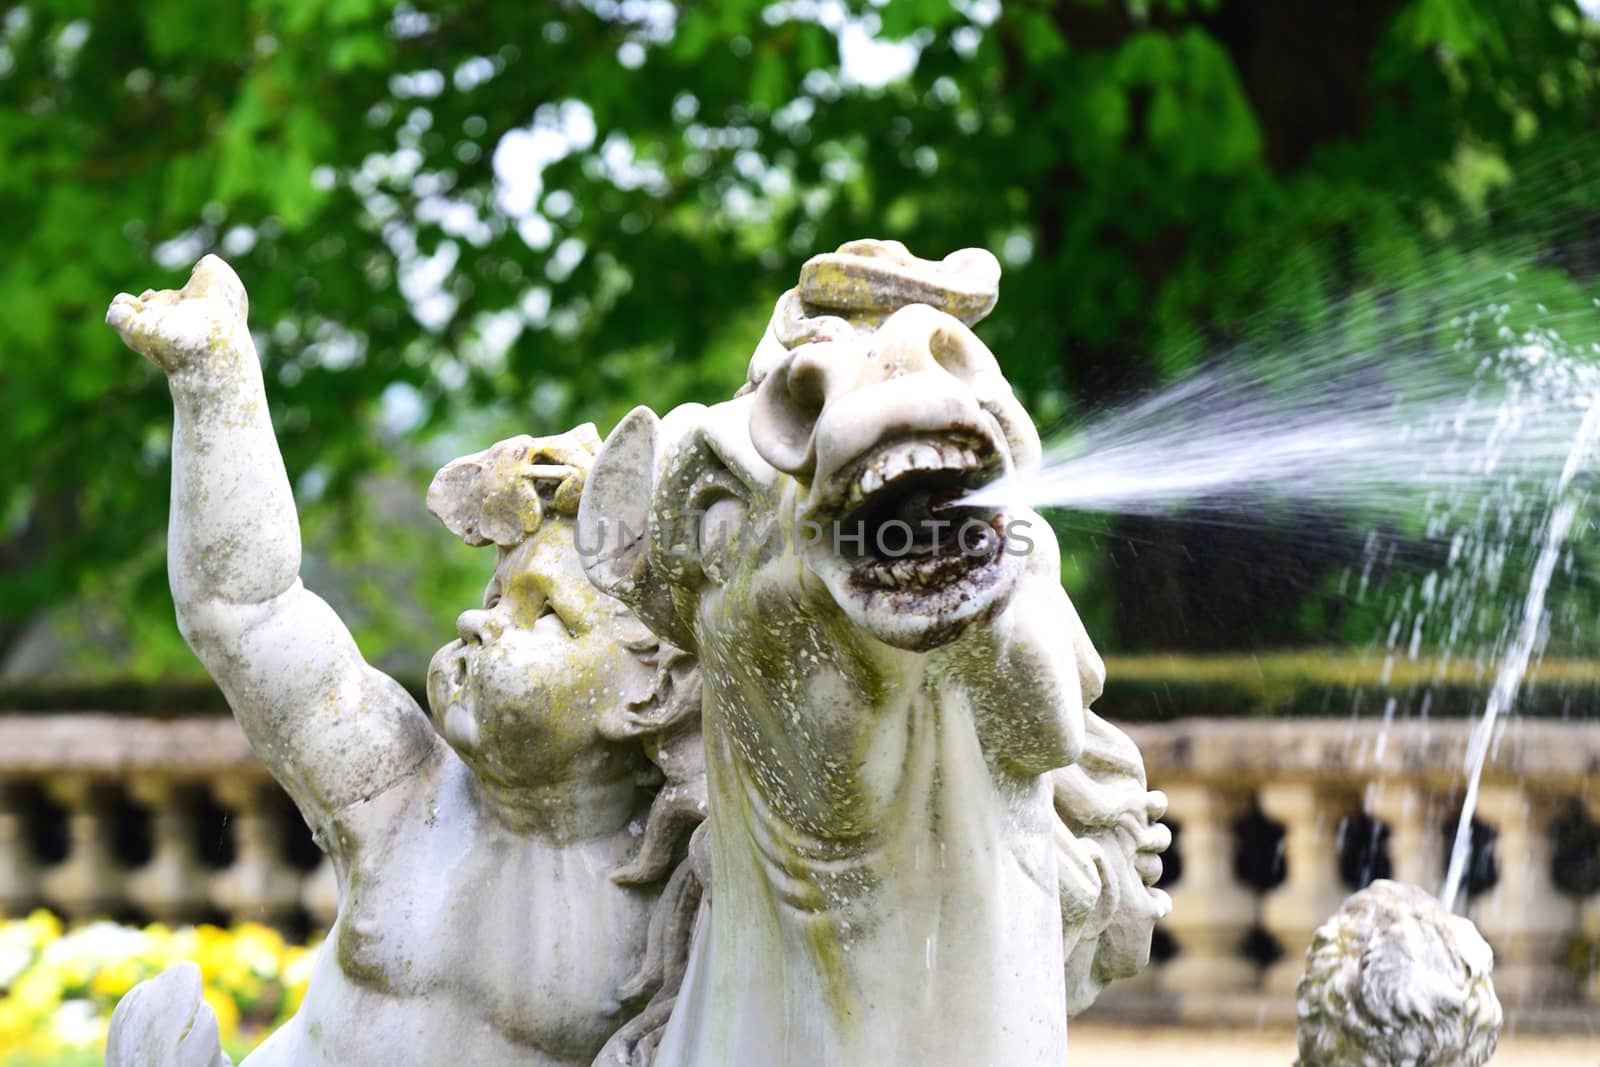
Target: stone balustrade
[
  {"x": 140, "y": 818},
  {"x": 1275, "y": 822}
]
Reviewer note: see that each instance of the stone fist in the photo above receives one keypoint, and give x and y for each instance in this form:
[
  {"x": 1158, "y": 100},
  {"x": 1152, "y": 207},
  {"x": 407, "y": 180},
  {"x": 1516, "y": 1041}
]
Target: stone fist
[
  {"x": 184, "y": 328},
  {"x": 165, "y": 1022}
]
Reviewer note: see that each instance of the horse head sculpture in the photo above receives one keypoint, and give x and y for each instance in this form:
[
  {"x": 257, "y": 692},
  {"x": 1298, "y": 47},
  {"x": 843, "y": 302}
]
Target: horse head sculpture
[{"x": 890, "y": 676}]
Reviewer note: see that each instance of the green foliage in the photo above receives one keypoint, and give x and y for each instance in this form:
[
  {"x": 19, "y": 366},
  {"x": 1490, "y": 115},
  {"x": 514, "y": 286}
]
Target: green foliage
[{"x": 1160, "y": 177}]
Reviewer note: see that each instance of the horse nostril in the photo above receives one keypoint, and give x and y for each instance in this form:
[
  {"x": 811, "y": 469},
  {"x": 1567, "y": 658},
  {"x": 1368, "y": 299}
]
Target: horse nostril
[
  {"x": 808, "y": 381},
  {"x": 950, "y": 352},
  {"x": 785, "y": 413}
]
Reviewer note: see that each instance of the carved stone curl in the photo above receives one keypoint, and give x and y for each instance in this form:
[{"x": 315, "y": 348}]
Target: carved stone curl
[{"x": 1394, "y": 980}]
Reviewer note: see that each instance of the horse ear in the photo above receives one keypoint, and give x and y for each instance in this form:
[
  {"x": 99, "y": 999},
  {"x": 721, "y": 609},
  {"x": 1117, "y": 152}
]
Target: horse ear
[
  {"x": 614, "y": 510},
  {"x": 613, "y": 534}
]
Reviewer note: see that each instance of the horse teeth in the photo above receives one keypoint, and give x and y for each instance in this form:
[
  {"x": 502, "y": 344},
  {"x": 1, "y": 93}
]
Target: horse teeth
[
  {"x": 892, "y": 575},
  {"x": 896, "y": 464},
  {"x": 953, "y": 454},
  {"x": 920, "y": 570}
]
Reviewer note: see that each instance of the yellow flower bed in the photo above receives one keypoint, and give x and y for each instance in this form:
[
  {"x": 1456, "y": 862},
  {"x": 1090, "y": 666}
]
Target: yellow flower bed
[{"x": 58, "y": 987}]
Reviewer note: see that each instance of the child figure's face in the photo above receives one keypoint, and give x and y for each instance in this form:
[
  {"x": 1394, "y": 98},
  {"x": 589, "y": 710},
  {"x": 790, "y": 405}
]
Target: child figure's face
[{"x": 520, "y": 694}]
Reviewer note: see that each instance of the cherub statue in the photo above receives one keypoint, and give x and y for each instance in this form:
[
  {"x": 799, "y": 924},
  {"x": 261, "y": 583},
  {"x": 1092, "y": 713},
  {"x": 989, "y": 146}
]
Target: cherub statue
[
  {"x": 518, "y": 880},
  {"x": 498, "y": 866}
]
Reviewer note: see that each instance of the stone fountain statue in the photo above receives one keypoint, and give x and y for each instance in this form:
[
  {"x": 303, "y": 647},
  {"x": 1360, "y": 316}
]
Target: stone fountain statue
[
  {"x": 921, "y": 845},
  {"x": 892, "y": 681},
  {"x": 494, "y": 898}
]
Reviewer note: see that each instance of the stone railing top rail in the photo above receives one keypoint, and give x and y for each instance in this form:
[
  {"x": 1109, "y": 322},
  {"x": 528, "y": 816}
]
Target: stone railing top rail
[
  {"x": 1547, "y": 753},
  {"x": 105, "y": 745},
  {"x": 1550, "y": 753}
]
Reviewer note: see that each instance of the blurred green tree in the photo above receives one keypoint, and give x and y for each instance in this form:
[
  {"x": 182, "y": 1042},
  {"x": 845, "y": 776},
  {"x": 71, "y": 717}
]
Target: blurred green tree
[{"x": 544, "y": 212}]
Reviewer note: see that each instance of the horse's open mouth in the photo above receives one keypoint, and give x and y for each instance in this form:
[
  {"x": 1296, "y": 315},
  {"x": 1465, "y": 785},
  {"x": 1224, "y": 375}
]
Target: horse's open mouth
[
  {"x": 897, "y": 524},
  {"x": 897, "y": 548}
]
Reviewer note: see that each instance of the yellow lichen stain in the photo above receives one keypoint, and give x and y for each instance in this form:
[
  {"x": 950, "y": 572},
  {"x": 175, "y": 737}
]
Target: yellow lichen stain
[
  {"x": 358, "y": 952},
  {"x": 827, "y": 950},
  {"x": 807, "y": 909},
  {"x": 831, "y": 283}
]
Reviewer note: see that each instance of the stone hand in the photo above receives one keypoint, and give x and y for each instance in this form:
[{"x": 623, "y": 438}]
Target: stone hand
[
  {"x": 1151, "y": 838},
  {"x": 180, "y": 329}
]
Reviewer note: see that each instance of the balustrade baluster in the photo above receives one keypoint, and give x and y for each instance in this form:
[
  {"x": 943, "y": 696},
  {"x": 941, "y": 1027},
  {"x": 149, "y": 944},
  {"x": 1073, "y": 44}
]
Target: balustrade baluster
[
  {"x": 1589, "y": 915},
  {"x": 89, "y": 882},
  {"x": 173, "y": 887},
  {"x": 260, "y": 885},
  {"x": 1311, "y": 890},
  {"x": 19, "y": 867},
  {"x": 1211, "y": 910},
  {"x": 1524, "y": 917},
  {"x": 1416, "y": 845},
  {"x": 1588, "y": 954}
]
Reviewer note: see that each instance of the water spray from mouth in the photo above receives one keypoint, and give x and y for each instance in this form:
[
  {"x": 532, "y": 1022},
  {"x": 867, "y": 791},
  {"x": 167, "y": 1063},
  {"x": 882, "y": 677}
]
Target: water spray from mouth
[
  {"x": 1343, "y": 431},
  {"x": 1490, "y": 451}
]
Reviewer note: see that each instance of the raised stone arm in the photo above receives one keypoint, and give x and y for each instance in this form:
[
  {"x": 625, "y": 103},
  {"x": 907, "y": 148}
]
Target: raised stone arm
[{"x": 331, "y": 729}]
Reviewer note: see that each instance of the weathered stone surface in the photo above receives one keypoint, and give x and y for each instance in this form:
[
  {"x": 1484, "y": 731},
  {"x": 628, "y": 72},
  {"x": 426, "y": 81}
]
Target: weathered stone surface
[
  {"x": 493, "y": 496},
  {"x": 1364, "y": 750},
  {"x": 899, "y": 869},
  {"x": 116, "y": 746},
  {"x": 866, "y": 281},
  {"x": 1109, "y": 818}
]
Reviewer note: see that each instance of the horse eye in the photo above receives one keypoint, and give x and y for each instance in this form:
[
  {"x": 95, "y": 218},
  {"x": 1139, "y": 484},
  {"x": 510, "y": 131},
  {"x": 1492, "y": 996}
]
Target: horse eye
[{"x": 719, "y": 529}]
